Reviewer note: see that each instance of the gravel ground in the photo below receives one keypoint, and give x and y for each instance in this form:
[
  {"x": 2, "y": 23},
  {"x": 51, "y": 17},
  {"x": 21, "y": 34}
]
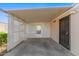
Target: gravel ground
[{"x": 2, "y": 50}]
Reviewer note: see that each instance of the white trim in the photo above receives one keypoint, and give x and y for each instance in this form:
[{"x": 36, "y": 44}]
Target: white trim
[{"x": 70, "y": 11}]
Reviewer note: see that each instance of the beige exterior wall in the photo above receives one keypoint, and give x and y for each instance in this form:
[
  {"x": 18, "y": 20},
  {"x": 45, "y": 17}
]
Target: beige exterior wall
[
  {"x": 55, "y": 30},
  {"x": 3, "y": 27},
  {"x": 75, "y": 32},
  {"x": 74, "y": 29}
]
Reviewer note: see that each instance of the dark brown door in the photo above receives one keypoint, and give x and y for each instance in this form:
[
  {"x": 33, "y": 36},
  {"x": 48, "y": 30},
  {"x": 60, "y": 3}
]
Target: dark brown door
[{"x": 64, "y": 32}]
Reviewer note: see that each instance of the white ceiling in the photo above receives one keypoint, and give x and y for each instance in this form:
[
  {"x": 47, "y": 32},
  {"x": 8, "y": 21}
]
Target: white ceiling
[{"x": 39, "y": 15}]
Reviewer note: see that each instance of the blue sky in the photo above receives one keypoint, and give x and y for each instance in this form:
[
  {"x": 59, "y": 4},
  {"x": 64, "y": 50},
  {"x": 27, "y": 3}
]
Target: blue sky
[{"x": 13, "y": 6}]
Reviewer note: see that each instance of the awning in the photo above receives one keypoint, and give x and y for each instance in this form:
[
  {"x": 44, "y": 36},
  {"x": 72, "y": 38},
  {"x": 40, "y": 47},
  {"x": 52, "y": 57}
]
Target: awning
[{"x": 39, "y": 15}]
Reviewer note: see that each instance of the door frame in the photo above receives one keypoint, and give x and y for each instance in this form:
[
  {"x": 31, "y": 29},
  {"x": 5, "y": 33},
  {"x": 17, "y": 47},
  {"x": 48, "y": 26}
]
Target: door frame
[{"x": 69, "y": 30}]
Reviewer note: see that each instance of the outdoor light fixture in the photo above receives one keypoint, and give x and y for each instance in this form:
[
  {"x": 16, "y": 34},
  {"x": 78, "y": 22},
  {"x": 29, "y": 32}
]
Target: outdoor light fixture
[{"x": 73, "y": 12}]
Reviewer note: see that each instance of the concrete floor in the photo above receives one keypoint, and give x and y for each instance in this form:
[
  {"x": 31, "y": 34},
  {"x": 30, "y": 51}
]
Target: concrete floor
[{"x": 39, "y": 47}]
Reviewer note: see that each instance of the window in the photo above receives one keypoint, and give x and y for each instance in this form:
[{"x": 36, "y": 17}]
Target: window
[{"x": 38, "y": 29}]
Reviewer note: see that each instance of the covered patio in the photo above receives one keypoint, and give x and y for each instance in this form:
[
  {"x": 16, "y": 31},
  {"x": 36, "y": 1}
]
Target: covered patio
[
  {"x": 43, "y": 31},
  {"x": 33, "y": 28}
]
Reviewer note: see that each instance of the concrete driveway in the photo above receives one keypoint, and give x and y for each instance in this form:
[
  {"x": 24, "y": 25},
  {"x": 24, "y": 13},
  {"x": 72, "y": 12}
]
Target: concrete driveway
[{"x": 39, "y": 47}]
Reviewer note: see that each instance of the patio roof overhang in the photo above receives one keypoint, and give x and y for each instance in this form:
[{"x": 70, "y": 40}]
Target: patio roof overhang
[{"x": 39, "y": 15}]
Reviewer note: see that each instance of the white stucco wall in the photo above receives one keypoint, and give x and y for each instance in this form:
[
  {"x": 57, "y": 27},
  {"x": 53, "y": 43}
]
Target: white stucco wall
[
  {"x": 31, "y": 30},
  {"x": 15, "y": 32},
  {"x": 74, "y": 29}
]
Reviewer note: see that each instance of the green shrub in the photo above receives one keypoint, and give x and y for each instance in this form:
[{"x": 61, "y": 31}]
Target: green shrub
[{"x": 3, "y": 38}]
